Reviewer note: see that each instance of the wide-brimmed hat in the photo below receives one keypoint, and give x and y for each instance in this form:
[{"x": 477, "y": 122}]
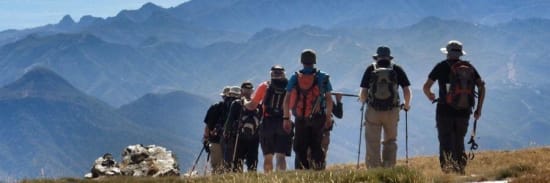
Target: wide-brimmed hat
[
  {"x": 277, "y": 68},
  {"x": 382, "y": 51},
  {"x": 453, "y": 47},
  {"x": 234, "y": 90},
  {"x": 225, "y": 91}
]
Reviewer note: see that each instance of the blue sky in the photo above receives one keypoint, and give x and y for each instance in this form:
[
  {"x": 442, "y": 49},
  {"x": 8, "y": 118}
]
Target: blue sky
[{"x": 19, "y": 14}]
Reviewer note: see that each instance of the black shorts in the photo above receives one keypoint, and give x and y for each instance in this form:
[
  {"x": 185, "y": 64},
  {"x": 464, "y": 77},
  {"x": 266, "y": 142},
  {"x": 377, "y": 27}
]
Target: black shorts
[{"x": 273, "y": 138}]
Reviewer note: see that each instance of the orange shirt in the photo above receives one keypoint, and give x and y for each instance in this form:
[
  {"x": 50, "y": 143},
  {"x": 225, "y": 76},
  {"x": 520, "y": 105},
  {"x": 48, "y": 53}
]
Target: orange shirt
[{"x": 259, "y": 94}]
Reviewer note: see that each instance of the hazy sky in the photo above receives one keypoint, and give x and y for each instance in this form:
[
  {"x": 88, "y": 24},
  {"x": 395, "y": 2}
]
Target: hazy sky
[{"x": 18, "y": 14}]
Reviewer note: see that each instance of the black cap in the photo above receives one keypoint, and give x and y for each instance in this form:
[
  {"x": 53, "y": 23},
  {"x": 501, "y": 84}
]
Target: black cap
[
  {"x": 247, "y": 85},
  {"x": 308, "y": 57}
]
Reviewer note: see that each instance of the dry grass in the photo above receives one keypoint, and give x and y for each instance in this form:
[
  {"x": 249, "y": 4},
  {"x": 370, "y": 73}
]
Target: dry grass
[
  {"x": 527, "y": 165},
  {"x": 519, "y": 166}
]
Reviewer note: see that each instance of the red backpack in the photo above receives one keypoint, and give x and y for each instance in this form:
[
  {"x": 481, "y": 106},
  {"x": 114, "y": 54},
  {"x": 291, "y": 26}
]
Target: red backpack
[
  {"x": 461, "y": 94},
  {"x": 305, "y": 98}
]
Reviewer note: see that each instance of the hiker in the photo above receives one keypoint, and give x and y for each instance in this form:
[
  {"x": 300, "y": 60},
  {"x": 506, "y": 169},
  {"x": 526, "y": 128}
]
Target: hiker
[
  {"x": 379, "y": 90},
  {"x": 457, "y": 80},
  {"x": 241, "y": 127},
  {"x": 274, "y": 140},
  {"x": 338, "y": 112},
  {"x": 229, "y": 134},
  {"x": 214, "y": 120},
  {"x": 309, "y": 98}
]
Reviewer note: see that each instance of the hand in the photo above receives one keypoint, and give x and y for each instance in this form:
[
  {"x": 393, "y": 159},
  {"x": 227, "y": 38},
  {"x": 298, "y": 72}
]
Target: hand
[
  {"x": 328, "y": 122},
  {"x": 287, "y": 126},
  {"x": 362, "y": 100},
  {"x": 338, "y": 97},
  {"x": 206, "y": 145},
  {"x": 477, "y": 114},
  {"x": 431, "y": 96},
  {"x": 406, "y": 107}
]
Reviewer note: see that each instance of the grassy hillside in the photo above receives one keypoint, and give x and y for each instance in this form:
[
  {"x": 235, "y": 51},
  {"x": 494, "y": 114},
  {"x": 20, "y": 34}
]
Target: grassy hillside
[{"x": 527, "y": 165}]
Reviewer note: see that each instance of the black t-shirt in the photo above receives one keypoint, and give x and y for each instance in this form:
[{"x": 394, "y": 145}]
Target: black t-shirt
[
  {"x": 402, "y": 78},
  {"x": 441, "y": 73},
  {"x": 216, "y": 115}
]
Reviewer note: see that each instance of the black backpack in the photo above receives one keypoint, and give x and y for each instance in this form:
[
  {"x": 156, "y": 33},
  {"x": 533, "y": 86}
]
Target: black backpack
[
  {"x": 274, "y": 98},
  {"x": 461, "y": 93},
  {"x": 249, "y": 120},
  {"x": 216, "y": 117},
  {"x": 383, "y": 85}
]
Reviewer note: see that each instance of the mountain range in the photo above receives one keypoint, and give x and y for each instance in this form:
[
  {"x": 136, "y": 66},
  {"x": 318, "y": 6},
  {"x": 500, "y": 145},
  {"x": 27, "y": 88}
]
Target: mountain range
[
  {"x": 117, "y": 67},
  {"x": 53, "y": 129}
]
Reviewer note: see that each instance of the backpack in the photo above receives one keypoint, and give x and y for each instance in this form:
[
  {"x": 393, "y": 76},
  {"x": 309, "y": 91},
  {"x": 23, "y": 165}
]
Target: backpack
[
  {"x": 273, "y": 99},
  {"x": 215, "y": 118},
  {"x": 461, "y": 93},
  {"x": 306, "y": 96},
  {"x": 383, "y": 85},
  {"x": 248, "y": 123}
]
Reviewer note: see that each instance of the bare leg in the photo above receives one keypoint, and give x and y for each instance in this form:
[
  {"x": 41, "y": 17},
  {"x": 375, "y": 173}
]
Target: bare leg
[
  {"x": 268, "y": 163},
  {"x": 281, "y": 162}
]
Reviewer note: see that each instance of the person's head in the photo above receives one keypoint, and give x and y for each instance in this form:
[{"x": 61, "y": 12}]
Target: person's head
[
  {"x": 277, "y": 72},
  {"x": 225, "y": 92},
  {"x": 453, "y": 50},
  {"x": 246, "y": 89},
  {"x": 308, "y": 58},
  {"x": 234, "y": 92},
  {"x": 382, "y": 53}
]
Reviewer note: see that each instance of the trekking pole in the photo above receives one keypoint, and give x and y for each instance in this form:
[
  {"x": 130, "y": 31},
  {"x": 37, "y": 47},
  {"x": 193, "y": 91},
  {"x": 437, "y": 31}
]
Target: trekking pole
[
  {"x": 406, "y": 134},
  {"x": 196, "y": 161},
  {"x": 344, "y": 94},
  {"x": 206, "y": 164},
  {"x": 472, "y": 141},
  {"x": 407, "y": 137},
  {"x": 360, "y": 133},
  {"x": 235, "y": 148}
]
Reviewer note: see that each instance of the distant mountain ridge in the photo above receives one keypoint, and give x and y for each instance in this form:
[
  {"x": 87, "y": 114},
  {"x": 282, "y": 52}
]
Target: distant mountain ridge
[
  {"x": 51, "y": 127},
  {"x": 176, "y": 112},
  {"x": 203, "y": 22}
]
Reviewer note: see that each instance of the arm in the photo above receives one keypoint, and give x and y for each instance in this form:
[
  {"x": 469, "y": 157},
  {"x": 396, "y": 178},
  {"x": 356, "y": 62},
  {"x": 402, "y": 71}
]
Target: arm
[
  {"x": 286, "y": 113},
  {"x": 251, "y": 104},
  {"x": 330, "y": 105},
  {"x": 206, "y": 133},
  {"x": 363, "y": 95},
  {"x": 286, "y": 104},
  {"x": 257, "y": 97},
  {"x": 481, "y": 88},
  {"x": 427, "y": 89},
  {"x": 209, "y": 120},
  {"x": 407, "y": 94}
]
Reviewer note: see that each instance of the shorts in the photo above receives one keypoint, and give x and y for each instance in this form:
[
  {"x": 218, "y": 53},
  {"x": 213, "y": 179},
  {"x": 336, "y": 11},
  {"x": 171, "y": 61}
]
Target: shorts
[{"x": 273, "y": 138}]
